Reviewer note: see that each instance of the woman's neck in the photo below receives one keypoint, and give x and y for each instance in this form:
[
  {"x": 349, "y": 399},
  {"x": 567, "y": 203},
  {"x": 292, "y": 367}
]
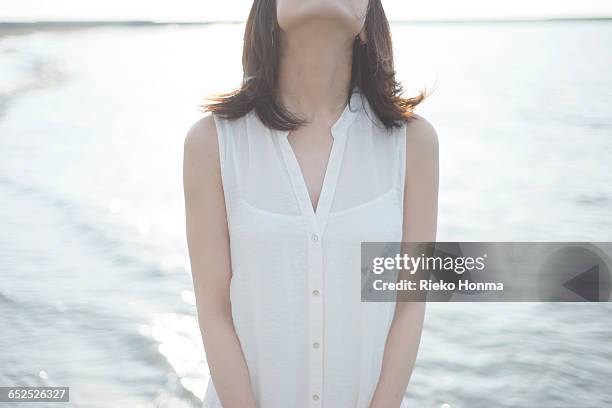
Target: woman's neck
[{"x": 315, "y": 71}]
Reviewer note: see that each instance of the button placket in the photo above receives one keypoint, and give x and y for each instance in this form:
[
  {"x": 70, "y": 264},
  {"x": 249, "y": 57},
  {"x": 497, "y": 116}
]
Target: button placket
[
  {"x": 315, "y": 227},
  {"x": 315, "y": 278}
]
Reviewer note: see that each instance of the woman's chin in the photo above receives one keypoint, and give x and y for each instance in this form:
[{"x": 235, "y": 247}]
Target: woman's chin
[{"x": 336, "y": 12}]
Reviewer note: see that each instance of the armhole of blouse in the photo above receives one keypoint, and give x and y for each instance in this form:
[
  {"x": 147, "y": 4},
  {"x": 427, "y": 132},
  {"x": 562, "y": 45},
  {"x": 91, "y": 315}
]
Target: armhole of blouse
[
  {"x": 221, "y": 142},
  {"x": 402, "y": 163}
]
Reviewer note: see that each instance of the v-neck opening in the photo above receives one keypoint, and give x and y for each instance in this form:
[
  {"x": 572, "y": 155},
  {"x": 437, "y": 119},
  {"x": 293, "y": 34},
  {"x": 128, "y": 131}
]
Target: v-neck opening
[
  {"x": 314, "y": 209},
  {"x": 338, "y": 130}
]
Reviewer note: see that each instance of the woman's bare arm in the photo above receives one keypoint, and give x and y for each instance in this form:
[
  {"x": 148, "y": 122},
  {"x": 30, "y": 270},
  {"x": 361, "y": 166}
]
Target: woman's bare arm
[
  {"x": 209, "y": 252},
  {"x": 420, "y": 224}
]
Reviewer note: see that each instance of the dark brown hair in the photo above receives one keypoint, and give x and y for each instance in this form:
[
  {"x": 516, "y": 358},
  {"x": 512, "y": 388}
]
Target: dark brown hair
[{"x": 372, "y": 71}]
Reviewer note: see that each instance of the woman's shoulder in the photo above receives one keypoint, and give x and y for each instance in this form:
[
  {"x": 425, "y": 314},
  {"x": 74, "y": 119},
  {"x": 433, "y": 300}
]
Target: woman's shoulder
[
  {"x": 201, "y": 153},
  {"x": 422, "y": 151},
  {"x": 420, "y": 134},
  {"x": 202, "y": 135}
]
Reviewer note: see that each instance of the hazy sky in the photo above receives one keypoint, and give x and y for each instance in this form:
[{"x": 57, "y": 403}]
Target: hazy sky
[{"x": 189, "y": 10}]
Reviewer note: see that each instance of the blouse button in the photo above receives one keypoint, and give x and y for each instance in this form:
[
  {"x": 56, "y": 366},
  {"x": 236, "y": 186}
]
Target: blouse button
[
  {"x": 315, "y": 397},
  {"x": 315, "y": 293},
  {"x": 315, "y": 237},
  {"x": 315, "y": 345}
]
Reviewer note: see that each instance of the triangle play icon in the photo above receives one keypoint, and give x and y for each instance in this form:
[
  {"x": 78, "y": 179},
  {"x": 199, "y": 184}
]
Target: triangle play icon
[{"x": 586, "y": 284}]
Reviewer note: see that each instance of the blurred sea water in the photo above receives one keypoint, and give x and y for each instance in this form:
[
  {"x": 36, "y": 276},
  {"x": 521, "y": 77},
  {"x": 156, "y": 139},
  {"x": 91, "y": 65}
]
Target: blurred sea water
[{"x": 95, "y": 287}]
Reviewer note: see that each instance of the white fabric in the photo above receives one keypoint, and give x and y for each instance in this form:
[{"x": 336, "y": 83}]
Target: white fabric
[{"x": 282, "y": 252}]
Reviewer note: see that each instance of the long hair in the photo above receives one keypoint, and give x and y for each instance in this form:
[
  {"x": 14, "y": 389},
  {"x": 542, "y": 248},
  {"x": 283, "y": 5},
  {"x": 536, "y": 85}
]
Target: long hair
[{"x": 372, "y": 71}]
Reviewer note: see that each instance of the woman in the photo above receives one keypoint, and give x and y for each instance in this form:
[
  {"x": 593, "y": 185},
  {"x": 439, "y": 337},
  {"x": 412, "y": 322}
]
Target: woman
[{"x": 314, "y": 154}]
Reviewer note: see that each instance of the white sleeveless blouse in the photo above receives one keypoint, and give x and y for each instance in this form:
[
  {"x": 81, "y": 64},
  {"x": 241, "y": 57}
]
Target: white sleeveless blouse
[{"x": 307, "y": 338}]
